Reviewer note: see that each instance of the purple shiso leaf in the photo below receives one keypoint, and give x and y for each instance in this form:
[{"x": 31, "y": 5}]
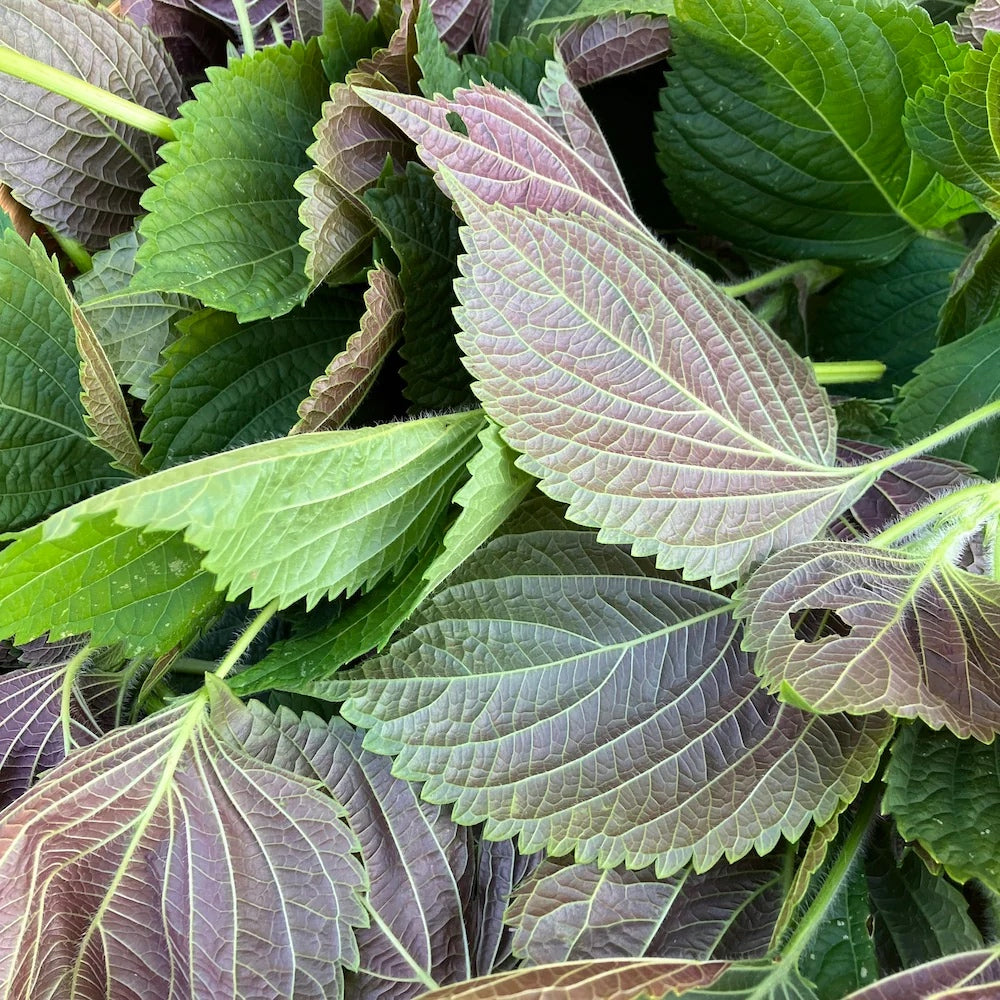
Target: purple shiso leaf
[
  {"x": 912, "y": 636},
  {"x": 562, "y": 690},
  {"x": 613, "y": 45},
  {"x": 567, "y": 112},
  {"x": 460, "y": 22},
  {"x": 336, "y": 394},
  {"x": 896, "y": 493},
  {"x": 165, "y": 859},
  {"x": 414, "y": 853},
  {"x": 569, "y": 911},
  {"x": 971, "y": 975},
  {"x": 658, "y": 409}
]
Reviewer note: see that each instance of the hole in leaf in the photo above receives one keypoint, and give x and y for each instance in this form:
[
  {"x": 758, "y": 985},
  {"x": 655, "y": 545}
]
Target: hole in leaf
[
  {"x": 454, "y": 119},
  {"x": 816, "y": 624}
]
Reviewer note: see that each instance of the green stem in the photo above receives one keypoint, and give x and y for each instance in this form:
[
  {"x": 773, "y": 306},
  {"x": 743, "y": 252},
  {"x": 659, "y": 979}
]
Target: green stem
[
  {"x": 838, "y": 372},
  {"x": 98, "y": 100},
  {"x": 975, "y": 503},
  {"x": 246, "y": 28},
  {"x": 772, "y": 277},
  {"x": 833, "y": 883},
  {"x": 74, "y": 251},
  {"x": 74, "y": 666},
  {"x": 929, "y": 443},
  {"x": 242, "y": 644}
]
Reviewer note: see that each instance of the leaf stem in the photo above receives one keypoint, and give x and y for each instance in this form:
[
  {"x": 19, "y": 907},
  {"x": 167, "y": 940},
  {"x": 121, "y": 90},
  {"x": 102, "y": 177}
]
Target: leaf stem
[
  {"x": 838, "y": 372},
  {"x": 73, "y": 668},
  {"x": 833, "y": 883},
  {"x": 974, "y": 505},
  {"x": 246, "y": 28},
  {"x": 74, "y": 251},
  {"x": 776, "y": 275},
  {"x": 98, "y": 100},
  {"x": 242, "y": 644},
  {"x": 956, "y": 427}
]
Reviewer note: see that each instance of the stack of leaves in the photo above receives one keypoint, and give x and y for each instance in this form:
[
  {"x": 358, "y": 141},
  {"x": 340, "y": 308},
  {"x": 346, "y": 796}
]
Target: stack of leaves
[{"x": 421, "y": 579}]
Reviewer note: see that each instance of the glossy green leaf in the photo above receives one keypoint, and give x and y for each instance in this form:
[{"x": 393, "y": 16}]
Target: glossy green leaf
[
  {"x": 133, "y": 327},
  {"x": 144, "y": 591},
  {"x": 887, "y": 314},
  {"x": 166, "y": 835},
  {"x": 348, "y": 506},
  {"x": 945, "y": 793},
  {"x": 780, "y": 128},
  {"x": 841, "y": 956},
  {"x": 224, "y": 384},
  {"x": 78, "y": 171},
  {"x": 422, "y": 228},
  {"x": 917, "y": 916},
  {"x": 560, "y": 689},
  {"x": 47, "y": 458},
  {"x": 972, "y": 301},
  {"x": 223, "y": 212},
  {"x": 951, "y": 123},
  {"x": 956, "y": 379}
]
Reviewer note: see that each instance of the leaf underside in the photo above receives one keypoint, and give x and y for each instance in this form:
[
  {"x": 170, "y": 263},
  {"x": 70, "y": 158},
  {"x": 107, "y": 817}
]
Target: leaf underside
[
  {"x": 913, "y": 636},
  {"x": 659, "y": 410},
  {"x": 348, "y": 506},
  {"x": 79, "y": 172},
  {"x": 164, "y": 834},
  {"x": 559, "y": 689}
]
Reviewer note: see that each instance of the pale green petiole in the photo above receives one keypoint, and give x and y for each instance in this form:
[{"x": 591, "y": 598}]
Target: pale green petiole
[
  {"x": 246, "y": 28},
  {"x": 779, "y": 274},
  {"x": 835, "y": 877},
  {"x": 242, "y": 644},
  {"x": 978, "y": 416},
  {"x": 98, "y": 100},
  {"x": 964, "y": 509},
  {"x": 840, "y": 372},
  {"x": 73, "y": 668}
]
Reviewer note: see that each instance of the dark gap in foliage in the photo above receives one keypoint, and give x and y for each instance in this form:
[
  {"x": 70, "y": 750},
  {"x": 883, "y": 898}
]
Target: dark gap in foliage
[
  {"x": 456, "y": 123},
  {"x": 816, "y": 624}
]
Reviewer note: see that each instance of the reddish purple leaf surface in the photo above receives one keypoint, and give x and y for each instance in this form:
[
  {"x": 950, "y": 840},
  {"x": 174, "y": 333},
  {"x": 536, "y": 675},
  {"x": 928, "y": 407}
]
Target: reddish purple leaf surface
[
  {"x": 610, "y": 46},
  {"x": 569, "y": 911},
  {"x": 658, "y": 409},
  {"x": 335, "y": 395},
  {"x": 567, "y": 112},
  {"x": 414, "y": 852},
  {"x": 560, "y": 689},
  {"x": 910, "y": 634},
  {"x": 459, "y": 22},
  {"x": 79, "y": 172},
  {"x": 510, "y": 155},
  {"x": 165, "y": 861},
  {"x": 895, "y": 493},
  {"x": 623, "y": 979},
  {"x": 973, "y": 975},
  {"x": 33, "y": 733}
]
